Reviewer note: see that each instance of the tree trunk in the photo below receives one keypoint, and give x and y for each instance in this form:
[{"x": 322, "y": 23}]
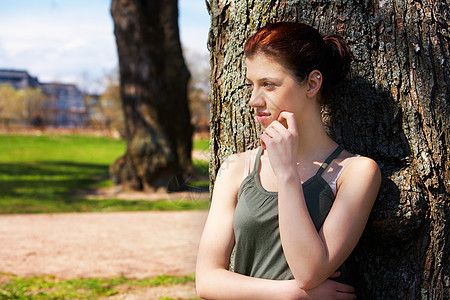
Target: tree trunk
[
  {"x": 393, "y": 109},
  {"x": 153, "y": 83}
]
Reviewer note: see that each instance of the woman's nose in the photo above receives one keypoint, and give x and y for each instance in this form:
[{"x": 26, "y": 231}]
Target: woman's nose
[{"x": 256, "y": 99}]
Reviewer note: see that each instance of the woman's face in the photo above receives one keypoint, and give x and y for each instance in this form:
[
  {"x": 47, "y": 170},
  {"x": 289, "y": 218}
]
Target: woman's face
[{"x": 274, "y": 89}]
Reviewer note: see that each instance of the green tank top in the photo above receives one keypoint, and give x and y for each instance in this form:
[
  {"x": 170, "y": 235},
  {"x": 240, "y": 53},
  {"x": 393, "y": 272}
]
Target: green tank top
[{"x": 258, "y": 251}]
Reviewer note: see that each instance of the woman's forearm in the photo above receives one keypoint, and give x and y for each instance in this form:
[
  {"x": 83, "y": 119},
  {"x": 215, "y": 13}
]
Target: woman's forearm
[
  {"x": 312, "y": 256},
  {"x": 224, "y": 284},
  {"x": 302, "y": 245}
]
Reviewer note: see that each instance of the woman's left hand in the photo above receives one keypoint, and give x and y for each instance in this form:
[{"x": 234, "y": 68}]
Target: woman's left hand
[{"x": 281, "y": 143}]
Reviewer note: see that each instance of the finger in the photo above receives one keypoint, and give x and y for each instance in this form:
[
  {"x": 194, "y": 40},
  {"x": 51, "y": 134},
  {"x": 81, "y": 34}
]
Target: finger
[
  {"x": 283, "y": 121},
  {"x": 276, "y": 125},
  {"x": 272, "y": 131},
  {"x": 335, "y": 274},
  {"x": 263, "y": 138},
  {"x": 341, "y": 287},
  {"x": 269, "y": 132},
  {"x": 279, "y": 132},
  {"x": 345, "y": 296},
  {"x": 270, "y": 137},
  {"x": 290, "y": 119},
  {"x": 263, "y": 145}
]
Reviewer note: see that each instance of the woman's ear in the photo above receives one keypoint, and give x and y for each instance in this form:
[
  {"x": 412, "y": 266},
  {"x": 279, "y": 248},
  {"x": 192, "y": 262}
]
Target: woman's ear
[{"x": 314, "y": 83}]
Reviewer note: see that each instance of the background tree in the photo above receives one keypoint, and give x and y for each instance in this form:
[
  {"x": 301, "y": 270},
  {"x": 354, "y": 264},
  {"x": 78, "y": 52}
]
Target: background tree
[
  {"x": 153, "y": 80},
  {"x": 33, "y": 102},
  {"x": 11, "y": 104},
  {"x": 198, "y": 90},
  {"x": 20, "y": 107},
  {"x": 109, "y": 105},
  {"x": 393, "y": 109}
]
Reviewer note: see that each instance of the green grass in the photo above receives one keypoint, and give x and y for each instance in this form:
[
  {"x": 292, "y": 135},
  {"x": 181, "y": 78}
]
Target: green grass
[
  {"x": 201, "y": 166},
  {"x": 42, "y": 174},
  {"x": 56, "y": 148},
  {"x": 201, "y": 144},
  {"x": 51, "y": 287}
]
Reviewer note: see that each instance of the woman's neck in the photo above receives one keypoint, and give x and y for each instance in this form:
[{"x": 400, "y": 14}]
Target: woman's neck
[{"x": 314, "y": 142}]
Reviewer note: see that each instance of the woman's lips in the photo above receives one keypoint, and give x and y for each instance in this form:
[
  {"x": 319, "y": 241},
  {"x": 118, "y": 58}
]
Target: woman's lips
[{"x": 261, "y": 118}]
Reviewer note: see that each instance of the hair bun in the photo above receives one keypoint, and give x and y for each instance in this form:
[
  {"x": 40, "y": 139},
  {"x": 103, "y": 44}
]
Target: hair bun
[{"x": 340, "y": 57}]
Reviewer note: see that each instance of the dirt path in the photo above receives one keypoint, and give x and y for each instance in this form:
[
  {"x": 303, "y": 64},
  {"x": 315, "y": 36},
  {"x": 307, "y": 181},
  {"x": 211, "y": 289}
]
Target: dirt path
[{"x": 138, "y": 244}]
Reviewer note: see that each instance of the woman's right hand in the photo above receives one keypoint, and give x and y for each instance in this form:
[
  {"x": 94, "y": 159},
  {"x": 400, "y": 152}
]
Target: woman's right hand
[{"x": 327, "y": 290}]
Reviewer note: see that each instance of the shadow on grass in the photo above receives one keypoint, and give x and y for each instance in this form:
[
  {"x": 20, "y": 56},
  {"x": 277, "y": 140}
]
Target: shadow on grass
[
  {"x": 45, "y": 186},
  {"x": 50, "y": 168},
  {"x": 49, "y": 186},
  {"x": 47, "y": 180}
]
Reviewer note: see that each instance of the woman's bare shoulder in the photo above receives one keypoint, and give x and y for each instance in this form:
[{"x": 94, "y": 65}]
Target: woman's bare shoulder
[
  {"x": 235, "y": 163},
  {"x": 361, "y": 171},
  {"x": 356, "y": 161},
  {"x": 228, "y": 179},
  {"x": 364, "y": 164},
  {"x": 232, "y": 164}
]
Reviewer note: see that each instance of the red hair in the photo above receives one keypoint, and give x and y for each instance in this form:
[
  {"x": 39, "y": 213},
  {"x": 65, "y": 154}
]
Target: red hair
[{"x": 302, "y": 49}]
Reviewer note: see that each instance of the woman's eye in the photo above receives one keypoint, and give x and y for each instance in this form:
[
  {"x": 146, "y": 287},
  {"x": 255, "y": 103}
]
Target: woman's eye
[
  {"x": 269, "y": 85},
  {"x": 249, "y": 86}
]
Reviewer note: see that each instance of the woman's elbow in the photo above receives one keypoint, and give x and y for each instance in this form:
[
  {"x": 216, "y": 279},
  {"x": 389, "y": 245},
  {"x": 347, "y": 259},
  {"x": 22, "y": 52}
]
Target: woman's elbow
[
  {"x": 203, "y": 292},
  {"x": 201, "y": 286},
  {"x": 200, "y": 291},
  {"x": 305, "y": 285},
  {"x": 307, "y": 282}
]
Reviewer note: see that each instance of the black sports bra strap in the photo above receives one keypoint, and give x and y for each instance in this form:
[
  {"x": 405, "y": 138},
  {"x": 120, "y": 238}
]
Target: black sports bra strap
[
  {"x": 330, "y": 159},
  {"x": 319, "y": 172}
]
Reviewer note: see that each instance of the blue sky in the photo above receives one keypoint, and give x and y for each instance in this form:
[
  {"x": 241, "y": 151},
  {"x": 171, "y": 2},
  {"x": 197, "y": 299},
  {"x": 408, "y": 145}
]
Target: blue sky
[{"x": 73, "y": 40}]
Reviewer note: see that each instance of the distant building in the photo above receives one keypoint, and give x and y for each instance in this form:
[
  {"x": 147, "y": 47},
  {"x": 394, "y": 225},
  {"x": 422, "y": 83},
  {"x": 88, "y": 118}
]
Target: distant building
[
  {"x": 66, "y": 106},
  {"x": 94, "y": 114},
  {"x": 18, "y": 79}
]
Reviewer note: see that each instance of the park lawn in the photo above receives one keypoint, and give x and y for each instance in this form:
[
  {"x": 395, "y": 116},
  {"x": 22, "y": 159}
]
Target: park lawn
[
  {"x": 201, "y": 144},
  {"x": 51, "y": 287},
  {"x": 41, "y": 174}
]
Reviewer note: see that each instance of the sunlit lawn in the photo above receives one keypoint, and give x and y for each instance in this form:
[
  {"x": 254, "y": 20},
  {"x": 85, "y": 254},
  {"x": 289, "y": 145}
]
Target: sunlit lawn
[
  {"x": 202, "y": 144},
  {"x": 50, "y": 287},
  {"x": 42, "y": 173}
]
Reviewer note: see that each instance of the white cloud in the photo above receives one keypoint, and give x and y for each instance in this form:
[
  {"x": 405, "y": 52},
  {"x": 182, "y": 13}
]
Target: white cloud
[
  {"x": 194, "y": 38},
  {"x": 74, "y": 44},
  {"x": 69, "y": 40},
  {"x": 194, "y": 25}
]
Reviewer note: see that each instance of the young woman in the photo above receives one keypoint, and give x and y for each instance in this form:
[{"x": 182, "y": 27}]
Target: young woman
[{"x": 294, "y": 209}]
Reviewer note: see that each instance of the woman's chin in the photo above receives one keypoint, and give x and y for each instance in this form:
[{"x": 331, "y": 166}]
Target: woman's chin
[{"x": 264, "y": 121}]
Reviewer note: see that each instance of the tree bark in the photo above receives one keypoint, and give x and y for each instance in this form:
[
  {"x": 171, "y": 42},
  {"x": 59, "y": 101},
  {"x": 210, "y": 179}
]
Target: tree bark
[
  {"x": 394, "y": 109},
  {"x": 153, "y": 83}
]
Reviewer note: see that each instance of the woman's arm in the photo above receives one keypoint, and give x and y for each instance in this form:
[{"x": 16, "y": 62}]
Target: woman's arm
[
  {"x": 312, "y": 256},
  {"x": 324, "y": 251},
  {"x": 214, "y": 280}
]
